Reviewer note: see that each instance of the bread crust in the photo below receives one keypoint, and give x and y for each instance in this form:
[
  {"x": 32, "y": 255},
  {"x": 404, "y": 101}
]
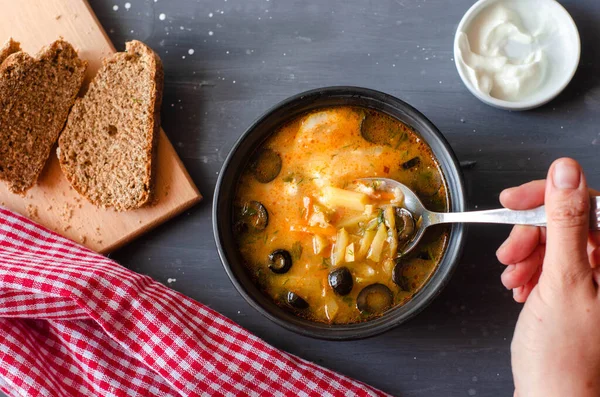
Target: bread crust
[
  {"x": 152, "y": 142},
  {"x": 10, "y": 47}
]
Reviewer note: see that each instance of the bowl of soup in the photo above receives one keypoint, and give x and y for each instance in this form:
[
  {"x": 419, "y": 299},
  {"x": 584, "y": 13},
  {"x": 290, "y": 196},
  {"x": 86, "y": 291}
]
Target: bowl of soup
[{"x": 311, "y": 245}]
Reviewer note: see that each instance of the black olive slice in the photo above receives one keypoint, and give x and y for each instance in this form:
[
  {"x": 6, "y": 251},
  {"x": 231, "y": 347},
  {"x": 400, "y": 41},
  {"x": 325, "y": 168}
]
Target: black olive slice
[
  {"x": 369, "y": 131},
  {"x": 382, "y": 130},
  {"x": 375, "y": 130},
  {"x": 280, "y": 261},
  {"x": 255, "y": 215},
  {"x": 374, "y": 299},
  {"x": 405, "y": 223},
  {"x": 398, "y": 276},
  {"x": 295, "y": 301},
  {"x": 428, "y": 182},
  {"x": 411, "y": 163},
  {"x": 266, "y": 165},
  {"x": 341, "y": 281}
]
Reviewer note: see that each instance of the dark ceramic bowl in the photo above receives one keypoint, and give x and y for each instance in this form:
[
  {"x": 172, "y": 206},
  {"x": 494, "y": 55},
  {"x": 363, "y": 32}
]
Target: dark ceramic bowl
[{"x": 258, "y": 133}]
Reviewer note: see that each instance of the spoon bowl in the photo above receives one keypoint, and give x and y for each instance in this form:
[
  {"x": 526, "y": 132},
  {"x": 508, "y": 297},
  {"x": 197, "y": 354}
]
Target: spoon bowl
[{"x": 412, "y": 203}]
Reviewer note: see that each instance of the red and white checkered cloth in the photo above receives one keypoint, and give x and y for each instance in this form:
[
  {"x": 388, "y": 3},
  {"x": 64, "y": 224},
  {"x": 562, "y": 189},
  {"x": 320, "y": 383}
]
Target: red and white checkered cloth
[{"x": 74, "y": 323}]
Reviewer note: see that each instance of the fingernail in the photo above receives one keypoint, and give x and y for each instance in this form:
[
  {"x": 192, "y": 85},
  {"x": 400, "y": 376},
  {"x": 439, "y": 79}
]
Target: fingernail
[
  {"x": 566, "y": 175},
  {"x": 509, "y": 269},
  {"x": 514, "y": 292}
]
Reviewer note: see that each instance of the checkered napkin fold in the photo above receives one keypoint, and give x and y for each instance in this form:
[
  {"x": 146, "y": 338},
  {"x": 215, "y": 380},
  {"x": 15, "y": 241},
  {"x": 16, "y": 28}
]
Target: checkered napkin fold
[{"x": 74, "y": 323}]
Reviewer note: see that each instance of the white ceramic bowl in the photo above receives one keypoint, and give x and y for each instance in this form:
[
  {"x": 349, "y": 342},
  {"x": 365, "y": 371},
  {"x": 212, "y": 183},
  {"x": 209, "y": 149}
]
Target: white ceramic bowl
[{"x": 557, "y": 79}]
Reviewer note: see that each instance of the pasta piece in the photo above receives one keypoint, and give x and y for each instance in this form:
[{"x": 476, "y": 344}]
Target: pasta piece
[
  {"x": 390, "y": 217},
  {"x": 350, "y": 253},
  {"x": 335, "y": 197},
  {"x": 393, "y": 242},
  {"x": 319, "y": 244},
  {"x": 341, "y": 243},
  {"x": 377, "y": 244},
  {"x": 365, "y": 244},
  {"x": 353, "y": 221},
  {"x": 390, "y": 221}
]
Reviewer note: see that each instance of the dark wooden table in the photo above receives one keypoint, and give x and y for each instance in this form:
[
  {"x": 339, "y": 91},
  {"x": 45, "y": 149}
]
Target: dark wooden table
[{"x": 227, "y": 61}]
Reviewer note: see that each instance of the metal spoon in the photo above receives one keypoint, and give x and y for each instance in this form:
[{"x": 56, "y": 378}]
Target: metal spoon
[{"x": 425, "y": 218}]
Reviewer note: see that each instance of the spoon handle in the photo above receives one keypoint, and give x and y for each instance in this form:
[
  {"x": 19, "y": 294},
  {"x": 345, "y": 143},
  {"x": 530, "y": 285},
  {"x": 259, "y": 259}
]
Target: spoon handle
[{"x": 534, "y": 217}]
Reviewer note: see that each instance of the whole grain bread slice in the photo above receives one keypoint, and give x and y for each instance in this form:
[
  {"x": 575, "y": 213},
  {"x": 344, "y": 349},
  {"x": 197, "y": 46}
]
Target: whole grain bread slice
[
  {"x": 35, "y": 97},
  {"x": 10, "y": 47},
  {"x": 107, "y": 148}
]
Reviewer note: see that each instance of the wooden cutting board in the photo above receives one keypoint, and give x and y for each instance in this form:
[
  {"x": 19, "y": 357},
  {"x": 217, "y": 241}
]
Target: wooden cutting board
[{"x": 53, "y": 203}]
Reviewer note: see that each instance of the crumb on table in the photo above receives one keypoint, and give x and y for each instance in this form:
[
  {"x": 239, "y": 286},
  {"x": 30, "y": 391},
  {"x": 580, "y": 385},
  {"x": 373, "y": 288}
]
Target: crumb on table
[
  {"x": 32, "y": 211},
  {"x": 66, "y": 212}
]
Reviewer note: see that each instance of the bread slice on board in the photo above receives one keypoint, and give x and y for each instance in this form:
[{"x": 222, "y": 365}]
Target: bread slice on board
[
  {"x": 8, "y": 48},
  {"x": 35, "y": 97},
  {"x": 108, "y": 146}
]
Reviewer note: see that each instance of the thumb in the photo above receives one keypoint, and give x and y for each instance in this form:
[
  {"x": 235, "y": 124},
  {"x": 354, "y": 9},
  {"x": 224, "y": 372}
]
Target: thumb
[{"x": 567, "y": 211}]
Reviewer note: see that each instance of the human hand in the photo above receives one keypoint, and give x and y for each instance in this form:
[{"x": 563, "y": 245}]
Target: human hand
[
  {"x": 556, "y": 345},
  {"x": 523, "y": 251}
]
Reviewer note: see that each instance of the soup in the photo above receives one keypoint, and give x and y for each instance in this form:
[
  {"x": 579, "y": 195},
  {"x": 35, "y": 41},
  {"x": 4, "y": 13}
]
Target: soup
[{"x": 323, "y": 244}]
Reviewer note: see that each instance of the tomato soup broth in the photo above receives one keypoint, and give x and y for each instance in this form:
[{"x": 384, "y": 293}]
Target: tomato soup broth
[{"x": 319, "y": 244}]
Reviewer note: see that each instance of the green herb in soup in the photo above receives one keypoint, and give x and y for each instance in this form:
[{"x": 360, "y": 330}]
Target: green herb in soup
[{"x": 319, "y": 243}]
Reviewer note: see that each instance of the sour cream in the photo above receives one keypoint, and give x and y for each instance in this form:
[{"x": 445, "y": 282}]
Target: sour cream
[
  {"x": 509, "y": 49},
  {"x": 516, "y": 54}
]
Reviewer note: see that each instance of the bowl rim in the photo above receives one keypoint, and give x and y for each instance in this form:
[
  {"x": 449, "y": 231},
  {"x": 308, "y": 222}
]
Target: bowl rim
[
  {"x": 467, "y": 18},
  {"x": 426, "y": 294}
]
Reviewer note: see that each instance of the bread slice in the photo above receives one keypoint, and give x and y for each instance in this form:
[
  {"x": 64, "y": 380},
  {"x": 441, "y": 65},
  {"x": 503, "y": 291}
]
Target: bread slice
[
  {"x": 108, "y": 146},
  {"x": 8, "y": 48},
  {"x": 35, "y": 97}
]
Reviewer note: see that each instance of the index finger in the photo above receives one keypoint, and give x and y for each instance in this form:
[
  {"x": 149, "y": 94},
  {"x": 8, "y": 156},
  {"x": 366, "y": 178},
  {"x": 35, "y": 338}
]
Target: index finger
[{"x": 524, "y": 197}]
